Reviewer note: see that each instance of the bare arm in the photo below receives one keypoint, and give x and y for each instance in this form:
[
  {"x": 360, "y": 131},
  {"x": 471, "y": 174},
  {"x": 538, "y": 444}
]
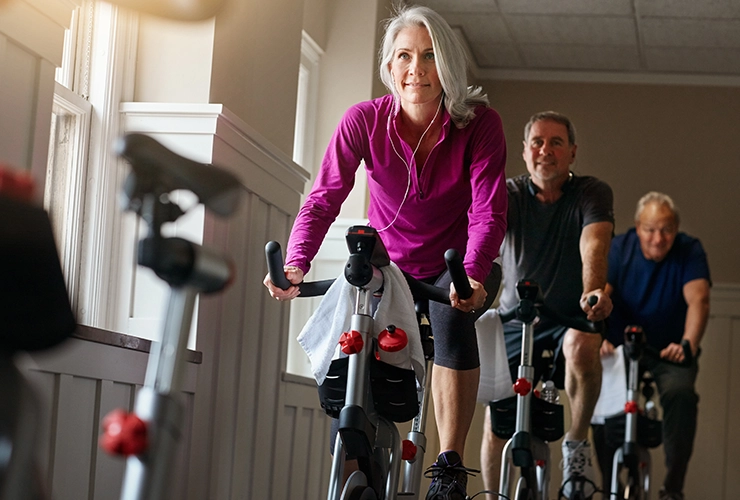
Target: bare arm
[
  {"x": 696, "y": 294},
  {"x": 594, "y": 245}
]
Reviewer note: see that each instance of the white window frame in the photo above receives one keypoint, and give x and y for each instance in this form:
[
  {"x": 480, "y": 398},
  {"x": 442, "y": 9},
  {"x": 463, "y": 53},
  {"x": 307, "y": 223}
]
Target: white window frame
[
  {"x": 97, "y": 74},
  {"x": 65, "y": 186}
]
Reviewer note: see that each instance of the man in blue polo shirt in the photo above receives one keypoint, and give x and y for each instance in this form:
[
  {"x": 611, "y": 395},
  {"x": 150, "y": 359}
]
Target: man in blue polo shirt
[{"x": 659, "y": 280}]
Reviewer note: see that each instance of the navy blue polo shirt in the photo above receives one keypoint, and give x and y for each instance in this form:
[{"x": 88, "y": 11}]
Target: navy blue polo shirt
[{"x": 650, "y": 294}]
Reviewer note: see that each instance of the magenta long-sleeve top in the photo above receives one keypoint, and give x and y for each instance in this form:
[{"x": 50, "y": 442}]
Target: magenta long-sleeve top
[{"x": 457, "y": 200}]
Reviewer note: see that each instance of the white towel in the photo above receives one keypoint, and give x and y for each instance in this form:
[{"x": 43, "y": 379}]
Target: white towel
[
  {"x": 495, "y": 378},
  {"x": 320, "y": 335},
  {"x": 613, "y": 387}
]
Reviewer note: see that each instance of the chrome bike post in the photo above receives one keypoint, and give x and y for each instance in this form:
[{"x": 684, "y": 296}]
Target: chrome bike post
[
  {"x": 413, "y": 470},
  {"x": 525, "y": 371},
  {"x": 337, "y": 470},
  {"x": 158, "y": 403}
]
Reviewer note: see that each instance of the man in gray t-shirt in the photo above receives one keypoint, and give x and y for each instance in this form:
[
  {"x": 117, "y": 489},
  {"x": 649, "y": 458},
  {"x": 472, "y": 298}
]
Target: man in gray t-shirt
[{"x": 559, "y": 231}]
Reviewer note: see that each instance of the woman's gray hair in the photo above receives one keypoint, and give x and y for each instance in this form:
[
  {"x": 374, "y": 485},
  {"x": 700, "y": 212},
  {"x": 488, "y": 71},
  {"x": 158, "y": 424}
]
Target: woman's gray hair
[
  {"x": 659, "y": 199},
  {"x": 449, "y": 56}
]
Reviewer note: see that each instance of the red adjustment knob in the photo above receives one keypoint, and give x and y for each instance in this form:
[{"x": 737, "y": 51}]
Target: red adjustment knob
[
  {"x": 630, "y": 407},
  {"x": 124, "y": 434},
  {"x": 351, "y": 342},
  {"x": 409, "y": 450},
  {"x": 15, "y": 183},
  {"x": 540, "y": 463},
  {"x": 522, "y": 386}
]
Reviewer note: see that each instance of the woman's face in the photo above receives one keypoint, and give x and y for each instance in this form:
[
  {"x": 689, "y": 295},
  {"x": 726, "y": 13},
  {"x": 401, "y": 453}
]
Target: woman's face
[{"x": 413, "y": 67}]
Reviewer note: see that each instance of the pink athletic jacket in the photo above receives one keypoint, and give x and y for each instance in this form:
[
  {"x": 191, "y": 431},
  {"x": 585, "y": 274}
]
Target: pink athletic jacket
[{"x": 458, "y": 200}]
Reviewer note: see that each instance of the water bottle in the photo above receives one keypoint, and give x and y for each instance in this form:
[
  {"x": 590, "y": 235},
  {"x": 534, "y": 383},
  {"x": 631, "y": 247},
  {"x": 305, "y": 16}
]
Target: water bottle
[
  {"x": 550, "y": 393},
  {"x": 651, "y": 411},
  {"x": 393, "y": 347}
]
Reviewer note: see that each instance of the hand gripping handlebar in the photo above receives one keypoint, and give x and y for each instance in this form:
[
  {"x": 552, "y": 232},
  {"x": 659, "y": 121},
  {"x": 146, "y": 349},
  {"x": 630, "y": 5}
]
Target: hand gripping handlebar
[
  {"x": 531, "y": 296},
  {"x": 419, "y": 289}
]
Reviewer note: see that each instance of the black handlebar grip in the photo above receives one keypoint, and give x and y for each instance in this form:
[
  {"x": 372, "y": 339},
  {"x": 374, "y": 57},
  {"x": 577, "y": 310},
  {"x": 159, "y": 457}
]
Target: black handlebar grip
[
  {"x": 592, "y": 300},
  {"x": 274, "y": 256},
  {"x": 458, "y": 274}
]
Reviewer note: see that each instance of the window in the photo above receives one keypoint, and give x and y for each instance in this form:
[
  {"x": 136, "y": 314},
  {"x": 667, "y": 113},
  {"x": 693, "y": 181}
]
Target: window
[
  {"x": 83, "y": 176},
  {"x": 303, "y": 155}
]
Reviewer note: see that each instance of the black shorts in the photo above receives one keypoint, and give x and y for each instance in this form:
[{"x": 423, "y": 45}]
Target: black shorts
[{"x": 455, "y": 341}]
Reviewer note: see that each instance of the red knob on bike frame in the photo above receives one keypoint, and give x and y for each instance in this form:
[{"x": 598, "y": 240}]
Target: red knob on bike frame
[
  {"x": 630, "y": 407},
  {"x": 408, "y": 451},
  {"x": 124, "y": 434},
  {"x": 15, "y": 183},
  {"x": 351, "y": 342},
  {"x": 522, "y": 386}
]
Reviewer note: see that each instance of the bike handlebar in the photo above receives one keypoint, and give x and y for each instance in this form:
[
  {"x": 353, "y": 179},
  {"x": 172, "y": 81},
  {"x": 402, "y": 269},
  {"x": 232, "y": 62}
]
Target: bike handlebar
[
  {"x": 635, "y": 342},
  {"x": 575, "y": 322},
  {"x": 274, "y": 257},
  {"x": 419, "y": 289}
]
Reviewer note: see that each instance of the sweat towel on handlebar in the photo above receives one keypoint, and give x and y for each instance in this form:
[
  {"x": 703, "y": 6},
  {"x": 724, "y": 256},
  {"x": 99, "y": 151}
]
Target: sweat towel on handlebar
[
  {"x": 495, "y": 379},
  {"x": 320, "y": 335},
  {"x": 613, "y": 387}
]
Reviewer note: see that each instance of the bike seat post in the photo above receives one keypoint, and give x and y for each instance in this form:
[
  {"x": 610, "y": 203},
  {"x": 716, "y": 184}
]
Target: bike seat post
[
  {"x": 158, "y": 402},
  {"x": 526, "y": 372}
]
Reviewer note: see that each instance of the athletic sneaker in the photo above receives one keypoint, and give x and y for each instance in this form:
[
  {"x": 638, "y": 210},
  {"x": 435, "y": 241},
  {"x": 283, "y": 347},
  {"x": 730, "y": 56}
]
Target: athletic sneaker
[
  {"x": 449, "y": 477},
  {"x": 577, "y": 467}
]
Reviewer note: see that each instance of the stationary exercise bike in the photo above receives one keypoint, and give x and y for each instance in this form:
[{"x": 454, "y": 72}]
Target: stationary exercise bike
[
  {"x": 531, "y": 423},
  {"x": 148, "y": 437},
  {"x": 638, "y": 428},
  {"x": 367, "y": 395}
]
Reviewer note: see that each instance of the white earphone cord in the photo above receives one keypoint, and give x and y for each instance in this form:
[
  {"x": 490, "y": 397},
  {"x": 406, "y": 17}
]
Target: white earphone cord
[{"x": 408, "y": 168}]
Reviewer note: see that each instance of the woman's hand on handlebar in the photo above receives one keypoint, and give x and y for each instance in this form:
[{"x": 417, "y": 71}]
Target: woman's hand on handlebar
[
  {"x": 294, "y": 275},
  {"x": 601, "y": 309},
  {"x": 475, "y": 301}
]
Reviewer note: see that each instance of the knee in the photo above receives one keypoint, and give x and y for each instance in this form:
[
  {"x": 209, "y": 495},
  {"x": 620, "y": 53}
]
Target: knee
[
  {"x": 581, "y": 351},
  {"x": 681, "y": 398},
  {"x": 490, "y": 442}
]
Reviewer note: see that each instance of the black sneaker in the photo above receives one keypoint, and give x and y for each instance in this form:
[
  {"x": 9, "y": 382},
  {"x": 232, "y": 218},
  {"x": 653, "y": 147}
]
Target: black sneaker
[{"x": 449, "y": 478}]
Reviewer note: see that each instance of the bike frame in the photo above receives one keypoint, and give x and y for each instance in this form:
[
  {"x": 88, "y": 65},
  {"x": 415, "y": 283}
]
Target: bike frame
[
  {"x": 363, "y": 433},
  {"x": 525, "y": 450},
  {"x": 631, "y": 454}
]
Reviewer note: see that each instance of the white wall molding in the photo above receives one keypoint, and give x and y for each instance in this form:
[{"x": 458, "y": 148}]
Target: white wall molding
[
  {"x": 259, "y": 164},
  {"x": 111, "y": 69},
  {"x": 725, "y": 300}
]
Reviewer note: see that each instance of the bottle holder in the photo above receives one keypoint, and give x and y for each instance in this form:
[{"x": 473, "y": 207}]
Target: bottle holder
[
  {"x": 649, "y": 431},
  {"x": 547, "y": 419},
  {"x": 393, "y": 389}
]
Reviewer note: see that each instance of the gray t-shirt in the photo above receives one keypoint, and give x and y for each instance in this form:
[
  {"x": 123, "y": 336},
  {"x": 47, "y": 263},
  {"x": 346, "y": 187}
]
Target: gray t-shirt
[{"x": 542, "y": 240}]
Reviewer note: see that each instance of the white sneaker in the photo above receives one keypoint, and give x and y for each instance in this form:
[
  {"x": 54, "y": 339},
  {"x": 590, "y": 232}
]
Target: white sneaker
[{"x": 577, "y": 464}]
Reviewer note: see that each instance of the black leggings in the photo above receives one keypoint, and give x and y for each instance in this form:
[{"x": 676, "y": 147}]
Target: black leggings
[{"x": 455, "y": 342}]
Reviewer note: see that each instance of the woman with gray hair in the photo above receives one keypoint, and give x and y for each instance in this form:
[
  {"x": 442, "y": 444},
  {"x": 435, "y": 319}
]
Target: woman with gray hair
[{"x": 434, "y": 153}]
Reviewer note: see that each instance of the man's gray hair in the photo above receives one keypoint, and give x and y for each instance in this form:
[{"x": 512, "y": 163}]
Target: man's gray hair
[
  {"x": 659, "y": 199},
  {"x": 552, "y": 116}
]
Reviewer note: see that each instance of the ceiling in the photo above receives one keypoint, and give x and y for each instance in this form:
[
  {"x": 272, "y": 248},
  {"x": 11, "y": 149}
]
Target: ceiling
[{"x": 688, "y": 40}]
